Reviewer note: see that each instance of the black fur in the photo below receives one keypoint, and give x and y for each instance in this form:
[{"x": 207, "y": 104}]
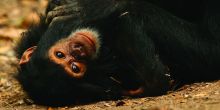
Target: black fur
[{"x": 142, "y": 44}]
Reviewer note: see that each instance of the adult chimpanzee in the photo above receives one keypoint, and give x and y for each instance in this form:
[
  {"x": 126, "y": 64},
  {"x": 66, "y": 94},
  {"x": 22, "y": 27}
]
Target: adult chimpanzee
[
  {"x": 119, "y": 48},
  {"x": 188, "y": 10}
]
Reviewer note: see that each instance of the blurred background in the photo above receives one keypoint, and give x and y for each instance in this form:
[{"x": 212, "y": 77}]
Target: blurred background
[{"x": 15, "y": 17}]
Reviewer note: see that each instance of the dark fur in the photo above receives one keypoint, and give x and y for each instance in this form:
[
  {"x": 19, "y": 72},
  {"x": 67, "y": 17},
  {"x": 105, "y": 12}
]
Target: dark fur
[{"x": 139, "y": 48}]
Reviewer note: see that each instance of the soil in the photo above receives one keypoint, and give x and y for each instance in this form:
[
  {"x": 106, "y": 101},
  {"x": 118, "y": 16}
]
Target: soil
[{"x": 197, "y": 96}]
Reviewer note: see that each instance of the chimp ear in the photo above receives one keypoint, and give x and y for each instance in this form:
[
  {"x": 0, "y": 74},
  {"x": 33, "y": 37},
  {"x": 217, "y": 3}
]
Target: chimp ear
[{"x": 27, "y": 55}]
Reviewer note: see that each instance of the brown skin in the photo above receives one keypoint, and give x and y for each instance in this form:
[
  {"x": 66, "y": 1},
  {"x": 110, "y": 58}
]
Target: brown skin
[
  {"x": 72, "y": 53},
  {"x": 27, "y": 55},
  {"x": 136, "y": 92}
]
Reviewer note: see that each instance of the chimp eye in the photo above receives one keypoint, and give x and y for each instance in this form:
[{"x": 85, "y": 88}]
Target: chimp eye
[
  {"x": 60, "y": 55},
  {"x": 75, "y": 68}
]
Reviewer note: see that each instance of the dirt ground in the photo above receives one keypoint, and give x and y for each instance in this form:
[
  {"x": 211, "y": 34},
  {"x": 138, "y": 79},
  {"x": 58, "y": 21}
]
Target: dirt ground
[{"x": 16, "y": 15}]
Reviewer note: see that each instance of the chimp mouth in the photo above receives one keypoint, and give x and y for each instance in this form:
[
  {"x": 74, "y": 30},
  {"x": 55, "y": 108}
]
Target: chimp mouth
[{"x": 90, "y": 40}]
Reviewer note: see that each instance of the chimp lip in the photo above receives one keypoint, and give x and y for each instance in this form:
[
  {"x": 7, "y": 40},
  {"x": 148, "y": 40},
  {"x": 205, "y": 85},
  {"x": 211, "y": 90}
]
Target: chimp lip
[{"x": 89, "y": 39}]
